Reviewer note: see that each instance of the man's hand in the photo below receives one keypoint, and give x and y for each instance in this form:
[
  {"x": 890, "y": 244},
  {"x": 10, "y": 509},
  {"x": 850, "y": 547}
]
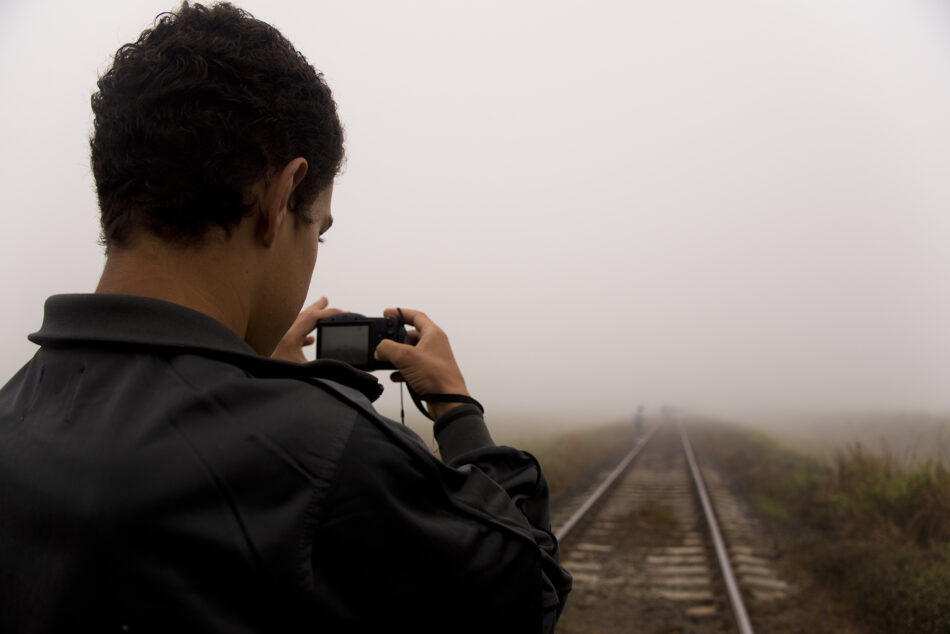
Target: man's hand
[
  {"x": 429, "y": 366},
  {"x": 291, "y": 346}
]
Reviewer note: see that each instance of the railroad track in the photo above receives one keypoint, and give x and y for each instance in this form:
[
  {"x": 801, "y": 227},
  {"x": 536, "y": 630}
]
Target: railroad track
[{"x": 660, "y": 544}]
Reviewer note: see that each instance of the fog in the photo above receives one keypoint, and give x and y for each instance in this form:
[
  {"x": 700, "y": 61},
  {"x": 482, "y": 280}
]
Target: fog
[{"x": 724, "y": 206}]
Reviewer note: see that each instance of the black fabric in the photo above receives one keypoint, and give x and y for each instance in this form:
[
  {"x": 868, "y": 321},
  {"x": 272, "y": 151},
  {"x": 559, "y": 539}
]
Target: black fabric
[{"x": 158, "y": 475}]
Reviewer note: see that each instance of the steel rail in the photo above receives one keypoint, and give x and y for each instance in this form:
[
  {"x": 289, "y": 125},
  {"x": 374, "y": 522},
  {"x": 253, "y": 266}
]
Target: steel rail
[
  {"x": 578, "y": 515},
  {"x": 725, "y": 566}
]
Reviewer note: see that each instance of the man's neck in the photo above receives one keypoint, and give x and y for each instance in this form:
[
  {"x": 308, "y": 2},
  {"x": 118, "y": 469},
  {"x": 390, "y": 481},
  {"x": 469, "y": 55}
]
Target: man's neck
[{"x": 201, "y": 278}]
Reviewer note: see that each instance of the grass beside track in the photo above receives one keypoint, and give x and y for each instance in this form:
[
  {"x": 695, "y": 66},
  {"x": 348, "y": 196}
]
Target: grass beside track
[
  {"x": 567, "y": 456},
  {"x": 873, "y": 530}
]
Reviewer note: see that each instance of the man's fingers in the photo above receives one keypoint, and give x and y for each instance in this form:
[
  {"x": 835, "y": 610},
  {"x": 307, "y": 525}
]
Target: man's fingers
[
  {"x": 412, "y": 317},
  {"x": 428, "y": 367},
  {"x": 307, "y": 319},
  {"x": 319, "y": 304},
  {"x": 289, "y": 348},
  {"x": 415, "y": 318},
  {"x": 311, "y": 311}
]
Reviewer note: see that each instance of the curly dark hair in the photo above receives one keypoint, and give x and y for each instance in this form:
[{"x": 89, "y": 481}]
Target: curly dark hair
[{"x": 204, "y": 104}]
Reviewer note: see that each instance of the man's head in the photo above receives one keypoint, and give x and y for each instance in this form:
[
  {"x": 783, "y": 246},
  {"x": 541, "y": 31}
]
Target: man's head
[{"x": 201, "y": 108}]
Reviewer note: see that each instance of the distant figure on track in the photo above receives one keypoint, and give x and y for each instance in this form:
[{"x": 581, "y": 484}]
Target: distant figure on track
[
  {"x": 168, "y": 460},
  {"x": 638, "y": 421}
]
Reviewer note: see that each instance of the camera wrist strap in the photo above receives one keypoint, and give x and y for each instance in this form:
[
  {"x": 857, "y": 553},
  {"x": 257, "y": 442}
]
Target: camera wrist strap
[{"x": 440, "y": 398}]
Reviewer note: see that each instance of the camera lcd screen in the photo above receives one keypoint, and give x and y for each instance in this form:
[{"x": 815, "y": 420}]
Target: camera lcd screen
[{"x": 349, "y": 344}]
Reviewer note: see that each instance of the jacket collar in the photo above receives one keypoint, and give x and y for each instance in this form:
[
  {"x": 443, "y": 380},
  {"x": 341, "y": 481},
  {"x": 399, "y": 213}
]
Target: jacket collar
[{"x": 133, "y": 322}]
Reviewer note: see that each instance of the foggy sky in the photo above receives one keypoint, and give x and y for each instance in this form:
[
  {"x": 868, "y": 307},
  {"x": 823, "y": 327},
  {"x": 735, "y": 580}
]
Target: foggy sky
[{"x": 715, "y": 205}]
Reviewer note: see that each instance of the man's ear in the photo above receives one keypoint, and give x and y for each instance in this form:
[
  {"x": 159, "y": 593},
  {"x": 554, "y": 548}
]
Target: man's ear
[{"x": 274, "y": 209}]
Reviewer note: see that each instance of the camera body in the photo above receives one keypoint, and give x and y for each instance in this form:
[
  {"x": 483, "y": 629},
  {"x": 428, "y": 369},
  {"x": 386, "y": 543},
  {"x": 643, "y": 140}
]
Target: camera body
[{"x": 352, "y": 338}]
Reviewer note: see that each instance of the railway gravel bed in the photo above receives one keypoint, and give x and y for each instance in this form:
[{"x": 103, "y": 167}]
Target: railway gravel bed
[{"x": 642, "y": 561}]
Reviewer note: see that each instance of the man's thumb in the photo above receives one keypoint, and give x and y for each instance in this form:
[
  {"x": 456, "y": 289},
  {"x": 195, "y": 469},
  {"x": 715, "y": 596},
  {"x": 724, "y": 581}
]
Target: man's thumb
[{"x": 385, "y": 348}]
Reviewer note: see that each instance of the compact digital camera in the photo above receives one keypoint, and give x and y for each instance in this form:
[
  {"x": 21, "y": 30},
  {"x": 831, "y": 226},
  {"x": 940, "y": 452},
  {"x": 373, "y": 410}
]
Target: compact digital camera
[{"x": 352, "y": 338}]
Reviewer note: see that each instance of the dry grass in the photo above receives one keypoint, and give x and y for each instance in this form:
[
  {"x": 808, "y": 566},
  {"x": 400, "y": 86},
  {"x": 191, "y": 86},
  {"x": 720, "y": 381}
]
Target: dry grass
[
  {"x": 569, "y": 456},
  {"x": 871, "y": 493},
  {"x": 878, "y": 528}
]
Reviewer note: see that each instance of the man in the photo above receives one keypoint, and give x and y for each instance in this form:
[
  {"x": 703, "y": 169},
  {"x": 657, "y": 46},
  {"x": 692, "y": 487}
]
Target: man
[{"x": 160, "y": 471}]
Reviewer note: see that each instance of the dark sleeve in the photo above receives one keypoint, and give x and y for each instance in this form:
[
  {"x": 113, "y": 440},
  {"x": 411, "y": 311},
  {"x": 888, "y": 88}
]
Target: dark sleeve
[{"x": 409, "y": 542}]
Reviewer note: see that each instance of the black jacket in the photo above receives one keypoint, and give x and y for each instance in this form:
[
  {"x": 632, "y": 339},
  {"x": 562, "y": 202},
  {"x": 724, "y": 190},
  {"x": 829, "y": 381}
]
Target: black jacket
[{"x": 156, "y": 474}]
